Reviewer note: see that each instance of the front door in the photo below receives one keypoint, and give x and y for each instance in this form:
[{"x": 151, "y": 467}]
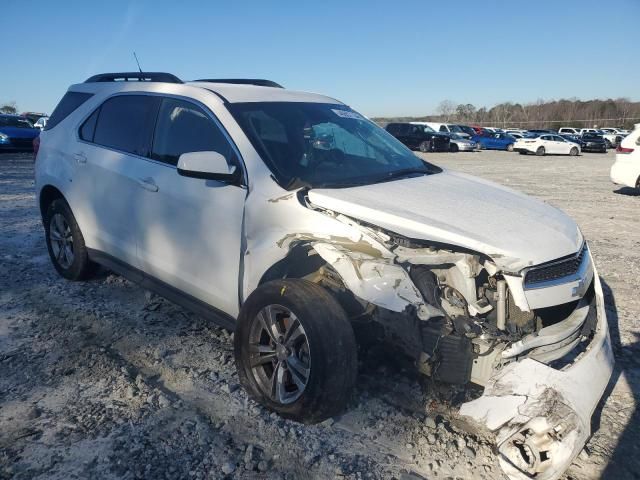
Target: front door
[{"x": 188, "y": 229}]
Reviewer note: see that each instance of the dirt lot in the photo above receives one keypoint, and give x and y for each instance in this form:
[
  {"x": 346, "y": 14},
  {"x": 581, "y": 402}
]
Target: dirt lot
[{"x": 104, "y": 380}]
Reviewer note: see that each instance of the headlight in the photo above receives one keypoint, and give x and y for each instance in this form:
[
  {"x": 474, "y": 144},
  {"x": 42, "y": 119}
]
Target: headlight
[{"x": 4, "y": 138}]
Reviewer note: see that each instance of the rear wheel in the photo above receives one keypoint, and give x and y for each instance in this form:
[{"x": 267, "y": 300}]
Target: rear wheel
[
  {"x": 480, "y": 146},
  {"x": 295, "y": 350},
  {"x": 65, "y": 242},
  {"x": 510, "y": 147},
  {"x": 573, "y": 152},
  {"x": 540, "y": 151},
  {"x": 425, "y": 147}
]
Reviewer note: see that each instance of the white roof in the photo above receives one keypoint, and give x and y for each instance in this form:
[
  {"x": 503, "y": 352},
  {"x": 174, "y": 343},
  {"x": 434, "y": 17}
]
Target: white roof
[
  {"x": 234, "y": 93},
  {"x": 229, "y": 92}
]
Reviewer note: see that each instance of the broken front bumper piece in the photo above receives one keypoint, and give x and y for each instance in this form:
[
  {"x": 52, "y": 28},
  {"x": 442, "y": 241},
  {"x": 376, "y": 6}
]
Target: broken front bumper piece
[{"x": 540, "y": 416}]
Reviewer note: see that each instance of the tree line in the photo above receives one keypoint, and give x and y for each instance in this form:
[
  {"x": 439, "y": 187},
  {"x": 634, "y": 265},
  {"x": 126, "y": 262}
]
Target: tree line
[{"x": 619, "y": 112}]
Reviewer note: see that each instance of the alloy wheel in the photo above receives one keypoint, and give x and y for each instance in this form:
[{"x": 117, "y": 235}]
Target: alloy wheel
[
  {"x": 61, "y": 240},
  {"x": 279, "y": 354}
]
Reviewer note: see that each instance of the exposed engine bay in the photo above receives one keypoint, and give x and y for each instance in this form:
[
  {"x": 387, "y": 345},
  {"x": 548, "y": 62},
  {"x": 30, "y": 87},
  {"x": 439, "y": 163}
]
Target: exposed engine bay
[{"x": 462, "y": 321}]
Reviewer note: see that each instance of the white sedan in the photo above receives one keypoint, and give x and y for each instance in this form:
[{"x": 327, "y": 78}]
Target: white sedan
[
  {"x": 626, "y": 168},
  {"x": 546, "y": 144}
]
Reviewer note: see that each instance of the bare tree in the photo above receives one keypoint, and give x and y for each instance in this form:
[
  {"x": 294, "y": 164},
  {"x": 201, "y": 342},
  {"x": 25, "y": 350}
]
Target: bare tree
[
  {"x": 9, "y": 107},
  {"x": 446, "y": 109}
]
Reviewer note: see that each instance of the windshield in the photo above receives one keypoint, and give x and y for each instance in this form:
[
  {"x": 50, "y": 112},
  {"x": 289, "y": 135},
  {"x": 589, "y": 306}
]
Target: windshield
[
  {"x": 18, "y": 122},
  {"x": 425, "y": 128},
  {"x": 455, "y": 128},
  {"x": 324, "y": 145}
]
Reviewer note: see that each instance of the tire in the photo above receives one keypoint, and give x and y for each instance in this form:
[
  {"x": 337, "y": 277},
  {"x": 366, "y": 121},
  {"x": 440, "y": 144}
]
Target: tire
[
  {"x": 540, "y": 151},
  {"x": 510, "y": 147},
  {"x": 425, "y": 147},
  {"x": 573, "y": 152},
  {"x": 453, "y": 147},
  {"x": 321, "y": 345},
  {"x": 480, "y": 146},
  {"x": 65, "y": 242}
]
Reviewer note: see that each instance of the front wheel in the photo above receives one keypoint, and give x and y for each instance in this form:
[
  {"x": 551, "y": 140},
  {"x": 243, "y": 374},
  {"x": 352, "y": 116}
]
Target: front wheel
[
  {"x": 295, "y": 350},
  {"x": 453, "y": 147},
  {"x": 425, "y": 147},
  {"x": 540, "y": 151},
  {"x": 573, "y": 152}
]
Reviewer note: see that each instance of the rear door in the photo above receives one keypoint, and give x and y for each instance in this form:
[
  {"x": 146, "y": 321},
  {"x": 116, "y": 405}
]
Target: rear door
[
  {"x": 113, "y": 139},
  {"x": 189, "y": 230}
]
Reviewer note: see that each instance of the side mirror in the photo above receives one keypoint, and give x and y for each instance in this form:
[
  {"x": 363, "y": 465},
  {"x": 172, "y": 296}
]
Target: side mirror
[{"x": 207, "y": 165}]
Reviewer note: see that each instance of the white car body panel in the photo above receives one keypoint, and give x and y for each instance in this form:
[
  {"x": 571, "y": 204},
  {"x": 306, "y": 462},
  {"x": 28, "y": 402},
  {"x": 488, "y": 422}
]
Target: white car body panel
[{"x": 626, "y": 169}]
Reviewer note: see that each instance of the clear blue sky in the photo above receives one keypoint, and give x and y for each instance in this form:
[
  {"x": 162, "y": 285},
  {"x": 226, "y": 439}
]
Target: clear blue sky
[{"x": 380, "y": 57}]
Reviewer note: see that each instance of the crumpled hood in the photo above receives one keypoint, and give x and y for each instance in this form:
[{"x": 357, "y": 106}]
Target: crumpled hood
[{"x": 511, "y": 228}]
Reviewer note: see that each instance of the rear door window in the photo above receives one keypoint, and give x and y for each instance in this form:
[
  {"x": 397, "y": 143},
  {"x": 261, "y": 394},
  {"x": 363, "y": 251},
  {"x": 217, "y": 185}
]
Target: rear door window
[
  {"x": 183, "y": 127},
  {"x": 69, "y": 102},
  {"x": 125, "y": 123}
]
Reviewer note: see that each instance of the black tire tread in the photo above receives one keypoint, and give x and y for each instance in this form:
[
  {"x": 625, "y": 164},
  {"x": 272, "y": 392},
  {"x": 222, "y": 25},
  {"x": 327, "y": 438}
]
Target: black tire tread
[
  {"x": 82, "y": 268},
  {"x": 332, "y": 343}
]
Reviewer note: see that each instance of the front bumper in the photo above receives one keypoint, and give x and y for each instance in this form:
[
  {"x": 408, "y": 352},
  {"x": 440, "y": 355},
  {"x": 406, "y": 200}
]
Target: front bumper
[
  {"x": 595, "y": 148},
  {"x": 541, "y": 416},
  {"x": 466, "y": 147},
  {"x": 17, "y": 144}
]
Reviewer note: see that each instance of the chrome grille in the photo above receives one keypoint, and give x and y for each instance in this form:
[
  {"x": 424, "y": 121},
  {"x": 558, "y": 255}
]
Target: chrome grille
[{"x": 555, "y": 270}]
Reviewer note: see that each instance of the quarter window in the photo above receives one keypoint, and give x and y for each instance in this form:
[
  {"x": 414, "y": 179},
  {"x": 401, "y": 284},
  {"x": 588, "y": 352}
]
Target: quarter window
[
  {"x": 88, "y": 128},
  {"x": 183, "y": 127},
  {"x": 125, "y": 123},
  {"x": 68, "y": 103}
]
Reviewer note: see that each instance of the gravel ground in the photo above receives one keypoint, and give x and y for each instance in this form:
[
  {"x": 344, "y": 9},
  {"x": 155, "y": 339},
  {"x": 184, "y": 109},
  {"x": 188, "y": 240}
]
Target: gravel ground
[{"x": 104, "y": 380}]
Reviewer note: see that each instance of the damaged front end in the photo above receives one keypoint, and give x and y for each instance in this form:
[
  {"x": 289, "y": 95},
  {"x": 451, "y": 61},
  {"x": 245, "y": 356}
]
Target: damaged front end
[{"x": 535, "y": 338}]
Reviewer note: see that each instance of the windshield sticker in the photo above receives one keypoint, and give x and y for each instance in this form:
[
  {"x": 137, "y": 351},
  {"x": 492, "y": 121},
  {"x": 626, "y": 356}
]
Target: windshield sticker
[{"x": 347, "y": 114}]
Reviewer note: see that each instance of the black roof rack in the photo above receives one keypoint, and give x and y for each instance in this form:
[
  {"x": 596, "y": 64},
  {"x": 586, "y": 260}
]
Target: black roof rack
[
  {"x": 243, "y": 81},
  {"x": 134, "y": 77}
]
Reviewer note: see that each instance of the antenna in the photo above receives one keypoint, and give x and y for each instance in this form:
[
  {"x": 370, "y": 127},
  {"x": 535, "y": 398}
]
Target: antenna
[{"x": 136, "y": 57}]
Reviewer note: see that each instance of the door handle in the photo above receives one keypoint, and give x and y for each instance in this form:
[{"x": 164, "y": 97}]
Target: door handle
[
  {"x": 80, "y": 157},
  {"x": 148, "y": 184}
]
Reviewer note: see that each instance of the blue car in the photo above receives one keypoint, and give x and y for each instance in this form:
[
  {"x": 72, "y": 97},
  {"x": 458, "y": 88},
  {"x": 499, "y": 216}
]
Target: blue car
[
  {"x": 494, "y": 141},
  {"x": 16, "y": 133}
]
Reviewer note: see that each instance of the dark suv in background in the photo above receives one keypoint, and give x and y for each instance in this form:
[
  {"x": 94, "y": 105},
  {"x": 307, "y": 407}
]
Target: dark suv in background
[{"x": 419, "y": 137}]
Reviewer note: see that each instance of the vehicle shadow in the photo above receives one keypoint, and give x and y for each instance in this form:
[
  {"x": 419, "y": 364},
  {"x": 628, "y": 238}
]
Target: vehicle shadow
[
  {"x": 624, "y": 462},
  {"x": 631, "y": 192}
]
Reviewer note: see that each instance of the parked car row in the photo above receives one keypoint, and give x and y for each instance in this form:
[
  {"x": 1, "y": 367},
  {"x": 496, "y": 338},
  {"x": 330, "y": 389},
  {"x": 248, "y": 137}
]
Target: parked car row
[{"x": 447, "y": 137}]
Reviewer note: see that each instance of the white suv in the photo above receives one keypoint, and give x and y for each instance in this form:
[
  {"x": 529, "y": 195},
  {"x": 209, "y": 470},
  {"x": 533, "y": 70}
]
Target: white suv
[{"x": 292, "y": 219}]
